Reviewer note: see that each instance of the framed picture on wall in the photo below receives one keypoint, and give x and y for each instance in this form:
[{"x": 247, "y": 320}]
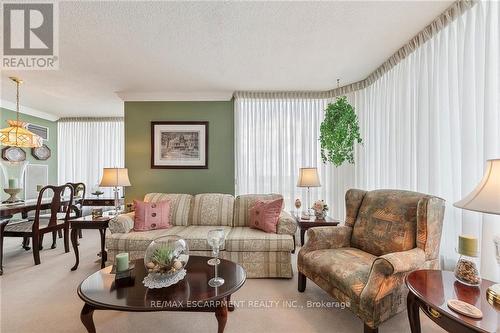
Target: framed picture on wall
[{"x": 179, "y": 144}]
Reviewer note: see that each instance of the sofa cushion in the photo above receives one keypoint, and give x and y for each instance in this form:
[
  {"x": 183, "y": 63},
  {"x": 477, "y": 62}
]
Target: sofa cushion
[
  {"x": 180, "y": 205},
  {"x": 345, "y": 268},
  {"x": 386, "y": 222},
  {"x": 214, "y": 209},
  {"x": 196, "y": 236},
  {"x": 243, "y": 203},
  {"x": 247, "y": 239},
  {"x": 138, "y": 240},
  {"x": 264, "y": 215},
  {"x": 151, "y": 215}
]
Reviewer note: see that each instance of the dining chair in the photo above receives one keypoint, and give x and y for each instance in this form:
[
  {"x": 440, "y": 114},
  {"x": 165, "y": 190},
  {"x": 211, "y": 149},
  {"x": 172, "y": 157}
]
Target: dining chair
[
  {"x": 40, "y": 224},
  {"x": 79, "y": 190}
]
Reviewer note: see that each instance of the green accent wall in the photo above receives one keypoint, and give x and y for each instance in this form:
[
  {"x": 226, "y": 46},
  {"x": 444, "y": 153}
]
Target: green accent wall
[
  {"x": 6, "y": 114},
  {"x": 219, "y": 177}
]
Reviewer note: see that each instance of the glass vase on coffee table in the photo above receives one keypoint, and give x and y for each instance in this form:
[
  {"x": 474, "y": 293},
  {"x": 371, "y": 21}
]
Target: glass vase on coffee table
[{"x": 215, "y": 239}]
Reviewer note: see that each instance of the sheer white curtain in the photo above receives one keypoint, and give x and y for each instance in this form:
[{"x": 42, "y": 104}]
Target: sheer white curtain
[
  {"x": 428, "y": 125},
  {"x": 275, "y": 136},
  {"x": 86, "y": 146}
]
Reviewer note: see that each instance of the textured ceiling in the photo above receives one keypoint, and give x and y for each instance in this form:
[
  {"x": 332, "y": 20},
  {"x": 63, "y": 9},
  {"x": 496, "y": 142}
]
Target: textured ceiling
[{"x": 204, "y": 50}]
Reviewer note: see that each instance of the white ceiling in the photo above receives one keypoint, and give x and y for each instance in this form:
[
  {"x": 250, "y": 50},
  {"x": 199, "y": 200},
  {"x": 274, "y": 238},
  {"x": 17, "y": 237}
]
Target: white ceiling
[{"x": 207, "y": 50}]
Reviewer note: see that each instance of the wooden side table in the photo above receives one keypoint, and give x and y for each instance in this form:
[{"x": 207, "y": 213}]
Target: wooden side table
[
  {"x": 89, "y": 222},
  {"x": 430, "y": 291},
  {"x": 304, "y": 225}
]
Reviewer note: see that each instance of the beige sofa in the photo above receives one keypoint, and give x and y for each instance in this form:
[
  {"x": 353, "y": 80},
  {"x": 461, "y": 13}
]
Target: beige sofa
[{"x": 261, "y": 254}]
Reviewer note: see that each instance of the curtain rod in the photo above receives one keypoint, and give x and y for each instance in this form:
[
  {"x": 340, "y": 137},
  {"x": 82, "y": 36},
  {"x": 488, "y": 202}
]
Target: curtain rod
[{"x": 90, "y": 119}]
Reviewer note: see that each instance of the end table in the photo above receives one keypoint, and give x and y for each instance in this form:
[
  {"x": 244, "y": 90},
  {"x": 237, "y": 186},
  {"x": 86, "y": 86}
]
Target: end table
[
  {"x": 430, "y": 291},
  {"x": 304, "y": 225},
  {"x": 89, "y": 222}
]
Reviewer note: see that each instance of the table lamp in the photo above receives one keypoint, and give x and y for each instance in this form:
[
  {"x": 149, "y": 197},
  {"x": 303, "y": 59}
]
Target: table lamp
[
  {"x": 485, "y": 198},
  {"x": 115, "y": 177},
  {"x": 308, "y": 177}
]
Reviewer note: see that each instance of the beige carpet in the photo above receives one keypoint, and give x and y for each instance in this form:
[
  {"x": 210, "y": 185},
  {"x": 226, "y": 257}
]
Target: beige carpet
[{"x": 43, "y": 299}]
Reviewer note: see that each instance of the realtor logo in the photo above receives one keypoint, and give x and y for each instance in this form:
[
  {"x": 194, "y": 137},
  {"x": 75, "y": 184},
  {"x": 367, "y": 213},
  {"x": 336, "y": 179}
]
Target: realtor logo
[{"x": 30, "y": 32}]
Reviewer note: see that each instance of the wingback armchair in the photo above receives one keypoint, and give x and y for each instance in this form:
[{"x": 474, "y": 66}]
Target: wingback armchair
[{"x": 386, "y": 235}]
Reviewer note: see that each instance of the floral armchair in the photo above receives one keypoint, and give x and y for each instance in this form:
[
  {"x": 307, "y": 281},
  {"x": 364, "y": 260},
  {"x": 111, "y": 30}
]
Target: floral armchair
[{"x": 387, "y": 234}]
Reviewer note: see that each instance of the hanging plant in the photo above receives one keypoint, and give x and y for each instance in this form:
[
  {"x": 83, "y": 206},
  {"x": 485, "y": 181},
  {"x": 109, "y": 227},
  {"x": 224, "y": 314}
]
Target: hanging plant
[{"x": 339, "y": 132}]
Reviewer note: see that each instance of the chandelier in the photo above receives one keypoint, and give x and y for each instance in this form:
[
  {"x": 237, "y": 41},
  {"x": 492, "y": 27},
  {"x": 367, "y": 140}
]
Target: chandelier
[{"x": 17, "y": 134}]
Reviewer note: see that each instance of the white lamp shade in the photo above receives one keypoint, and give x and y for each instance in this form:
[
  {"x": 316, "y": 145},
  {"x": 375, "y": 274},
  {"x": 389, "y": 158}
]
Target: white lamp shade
[
  {"x": 112, "y": 177},
  {"x": 485, "y": 197},
  {"x": 308, "y": 177}
]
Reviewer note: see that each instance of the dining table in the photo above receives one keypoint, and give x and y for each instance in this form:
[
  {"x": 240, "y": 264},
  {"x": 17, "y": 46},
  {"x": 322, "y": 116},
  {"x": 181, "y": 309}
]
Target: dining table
[{"x": 7, "y": 210}]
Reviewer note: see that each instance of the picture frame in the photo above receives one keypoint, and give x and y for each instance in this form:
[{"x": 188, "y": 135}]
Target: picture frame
[
  {"x": 42, "y": 153},
  {"x": 13, "y": 154},
  {"x": 179, "y": 144}
]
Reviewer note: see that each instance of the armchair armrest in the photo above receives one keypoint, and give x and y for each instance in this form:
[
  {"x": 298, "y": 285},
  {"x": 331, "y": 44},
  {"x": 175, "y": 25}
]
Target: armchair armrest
[
  {"x": 286, "y": 224},
  {"x": 122, "y": 223},
  {"x": 320, "y": 238},
  {"x": 400, "y": 262},
  {"x": 388, "y": 272}
]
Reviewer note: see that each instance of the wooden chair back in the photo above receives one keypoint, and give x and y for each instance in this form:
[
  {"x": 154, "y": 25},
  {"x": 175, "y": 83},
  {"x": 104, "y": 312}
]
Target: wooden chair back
[
  {"x": 79, "y": 190},
  {"x": 56, "y": 204}
]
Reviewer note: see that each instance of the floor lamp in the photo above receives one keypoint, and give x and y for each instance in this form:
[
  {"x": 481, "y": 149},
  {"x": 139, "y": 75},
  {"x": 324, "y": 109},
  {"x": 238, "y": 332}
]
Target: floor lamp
[
  {"x": 485, "y": 198},
  {"x": 308, "y": 177}
]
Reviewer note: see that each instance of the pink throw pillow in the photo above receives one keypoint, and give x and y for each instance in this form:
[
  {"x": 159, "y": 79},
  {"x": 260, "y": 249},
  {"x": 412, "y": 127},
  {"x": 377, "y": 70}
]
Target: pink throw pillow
[
  {"x": 265, "y": 214},
  {"x": 151, "y": 215}
]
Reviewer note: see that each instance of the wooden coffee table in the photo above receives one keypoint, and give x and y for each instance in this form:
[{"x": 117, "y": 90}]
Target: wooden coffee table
[
  {"x": 304, "y": 225},
  {"x": 100, "y": 292},
  {"x": 430, "y": 291}
]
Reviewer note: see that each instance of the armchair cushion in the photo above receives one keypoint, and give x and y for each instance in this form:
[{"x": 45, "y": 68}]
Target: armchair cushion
[
  {"x": 345, "y": 268},
  {"x": 387, "y": 222}
]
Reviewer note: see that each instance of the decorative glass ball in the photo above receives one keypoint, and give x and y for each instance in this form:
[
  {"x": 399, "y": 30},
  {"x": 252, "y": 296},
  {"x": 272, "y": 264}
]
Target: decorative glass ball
[{"x": 166, "y": 256}]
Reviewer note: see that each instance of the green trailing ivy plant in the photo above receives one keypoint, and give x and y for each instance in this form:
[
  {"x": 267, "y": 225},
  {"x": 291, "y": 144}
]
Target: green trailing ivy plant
[{"x": 339, "y": 132}]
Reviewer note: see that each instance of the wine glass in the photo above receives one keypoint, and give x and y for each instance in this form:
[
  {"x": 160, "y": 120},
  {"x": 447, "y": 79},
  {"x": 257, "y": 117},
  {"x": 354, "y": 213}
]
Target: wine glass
[{"x": 215, "y": 239}]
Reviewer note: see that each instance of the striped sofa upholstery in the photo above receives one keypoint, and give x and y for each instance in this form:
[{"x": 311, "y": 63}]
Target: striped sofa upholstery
[
  {"x": 262, "y": 255},
  {"x": 180, "y": 205}
]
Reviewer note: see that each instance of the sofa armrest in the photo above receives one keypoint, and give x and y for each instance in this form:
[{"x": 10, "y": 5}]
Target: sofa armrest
[
  {"x": 122, "y": 223},
  {"x": 286, "y": 224},
  {"x": 320, "y": 238},
  {"x": 388, "y": 272}
]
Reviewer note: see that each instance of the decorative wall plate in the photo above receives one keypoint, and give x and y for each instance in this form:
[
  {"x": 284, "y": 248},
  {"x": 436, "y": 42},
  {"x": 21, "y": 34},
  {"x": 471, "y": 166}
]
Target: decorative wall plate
[
  {"x": 13, "y": 154},
  {"x": 41, "y": 153}
]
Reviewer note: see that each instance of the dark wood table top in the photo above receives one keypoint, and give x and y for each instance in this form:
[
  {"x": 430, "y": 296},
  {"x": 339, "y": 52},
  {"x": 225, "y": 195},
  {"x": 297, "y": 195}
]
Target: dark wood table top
[
  {"x": 436, "y": 287},
  {"x": 90, "y": 222},
  {"x": 26, "y": 206},
  {"x": 313, "y": 222},
  {"x": 101, "y": 201},
  {"x": 100, "y": 290}
]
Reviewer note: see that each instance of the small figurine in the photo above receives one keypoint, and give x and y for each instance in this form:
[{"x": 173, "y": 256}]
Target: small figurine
[{"x": 298, "y": 203}]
